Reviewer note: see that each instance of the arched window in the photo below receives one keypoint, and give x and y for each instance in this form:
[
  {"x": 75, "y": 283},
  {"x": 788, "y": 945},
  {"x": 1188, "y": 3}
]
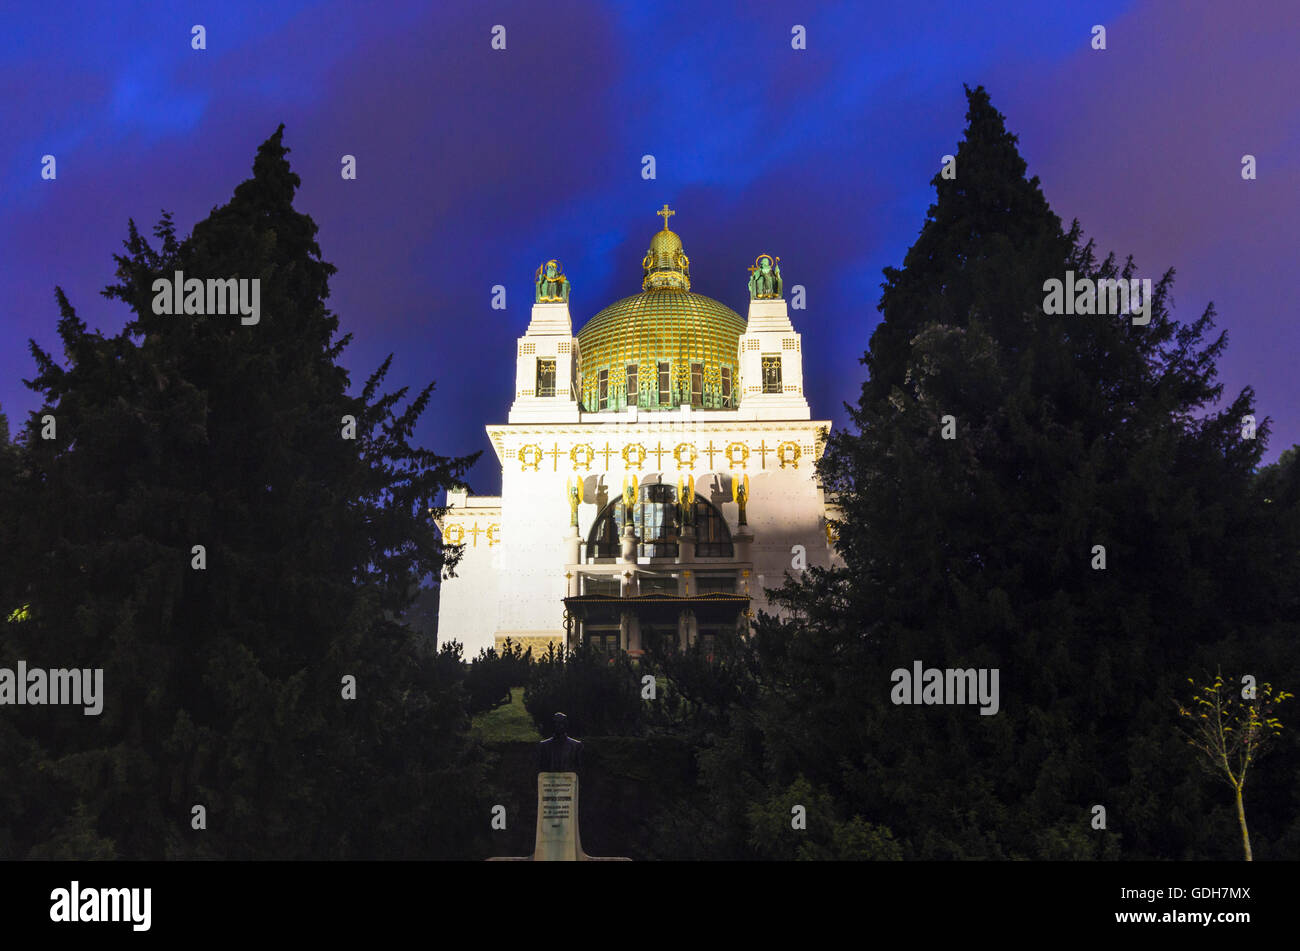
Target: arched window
[{"x": 657, "y": 519}]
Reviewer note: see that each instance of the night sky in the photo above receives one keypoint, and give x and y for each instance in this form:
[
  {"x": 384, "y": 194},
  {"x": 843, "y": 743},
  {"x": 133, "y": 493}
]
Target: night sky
[{"x": 475, "y": 165}]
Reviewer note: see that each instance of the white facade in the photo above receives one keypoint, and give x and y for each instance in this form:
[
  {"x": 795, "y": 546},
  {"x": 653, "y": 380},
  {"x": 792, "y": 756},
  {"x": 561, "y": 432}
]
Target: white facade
[{"x": 522, "y": 556}]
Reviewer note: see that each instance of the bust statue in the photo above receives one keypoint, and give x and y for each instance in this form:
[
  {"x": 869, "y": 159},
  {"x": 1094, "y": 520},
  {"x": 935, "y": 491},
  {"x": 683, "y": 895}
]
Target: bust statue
[
  {"x": 561, "y": 753},
  {"x": 765, "y": 278},
  {"x": 550, "y": 284}
]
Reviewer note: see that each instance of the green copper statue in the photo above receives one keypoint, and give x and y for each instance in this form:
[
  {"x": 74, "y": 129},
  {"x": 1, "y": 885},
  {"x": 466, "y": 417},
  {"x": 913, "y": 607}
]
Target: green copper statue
[
  {"x": 765, "y": 277},
  {"x": 550, "y": 283}
]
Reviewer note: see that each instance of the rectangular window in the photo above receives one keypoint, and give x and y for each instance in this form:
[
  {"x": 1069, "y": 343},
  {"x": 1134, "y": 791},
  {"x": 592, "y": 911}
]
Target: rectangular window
[
  {"x": 705, "y": 584},
  {"x": 546, "y": 377},
  {"x": 665, "y": 394},
  {"x": 726, "y": 386},
  {"x": 600, "y": 584},
  {"x": 656, "y": 584},
  {"x": 603, "y": 389},
  {"x": 632, "y": 391},
  {"x": 771, "y": 373},
  {"x": 697, "y": 384}
]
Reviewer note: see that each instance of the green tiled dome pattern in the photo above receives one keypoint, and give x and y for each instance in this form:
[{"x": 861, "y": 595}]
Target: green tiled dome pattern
[{"x": 659, "y": 325}]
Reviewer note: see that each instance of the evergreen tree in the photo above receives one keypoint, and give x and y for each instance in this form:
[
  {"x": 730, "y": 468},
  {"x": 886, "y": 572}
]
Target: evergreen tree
[
  {"x": 225, "y": 678},
  {"x": 600, "y": 694},
  {"x": 490, "y": 676},
  {"x": 17, "y": 752},
  {"x": 979, "y": 550}
]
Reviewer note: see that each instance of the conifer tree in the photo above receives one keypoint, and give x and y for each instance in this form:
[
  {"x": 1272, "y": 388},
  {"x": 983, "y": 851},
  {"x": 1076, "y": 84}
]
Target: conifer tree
[
  {"x": 226, "y": 665},
  {"x": 982, "y": 550}
]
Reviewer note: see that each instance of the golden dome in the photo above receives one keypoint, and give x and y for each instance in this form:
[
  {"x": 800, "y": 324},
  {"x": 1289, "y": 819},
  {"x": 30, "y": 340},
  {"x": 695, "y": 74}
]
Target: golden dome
[
  {"x": 665, "y": 242},
  {"x": 661, "y": 328},
  {"x": 666, "y": 327}
]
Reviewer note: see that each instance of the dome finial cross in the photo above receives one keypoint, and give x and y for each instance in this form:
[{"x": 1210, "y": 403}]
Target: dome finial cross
[{"x": 665, "y": 211}]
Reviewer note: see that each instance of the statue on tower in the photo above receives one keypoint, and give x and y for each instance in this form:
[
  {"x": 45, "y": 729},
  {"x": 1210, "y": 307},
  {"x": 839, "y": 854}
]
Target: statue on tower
[
  {"x": 550, "y": 283},
  {"x": 765, "y": 278}
]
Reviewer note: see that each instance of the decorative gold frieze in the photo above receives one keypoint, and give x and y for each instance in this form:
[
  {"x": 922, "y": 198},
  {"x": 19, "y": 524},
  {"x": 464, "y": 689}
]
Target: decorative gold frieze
[
  {"x": 737, "y": 449},
  {"x": 582, "y": 455},
  {"x": 688, "y": 450},
  {"x": 530, "y": 455},
  {"x": 637, "y": 450}
]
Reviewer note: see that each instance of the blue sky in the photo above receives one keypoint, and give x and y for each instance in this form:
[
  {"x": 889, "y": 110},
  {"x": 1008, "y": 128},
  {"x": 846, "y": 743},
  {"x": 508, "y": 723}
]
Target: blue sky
[{"x": 475, "y": 164}]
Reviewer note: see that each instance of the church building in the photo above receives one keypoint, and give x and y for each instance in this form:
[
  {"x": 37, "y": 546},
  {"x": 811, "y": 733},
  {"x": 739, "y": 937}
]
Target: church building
[{"x": 656, "y": 471}]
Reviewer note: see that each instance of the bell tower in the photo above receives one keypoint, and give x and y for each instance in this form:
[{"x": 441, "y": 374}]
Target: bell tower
[
  {"x": 771, "y": 352},
  {"x": 546, "y": 356}
]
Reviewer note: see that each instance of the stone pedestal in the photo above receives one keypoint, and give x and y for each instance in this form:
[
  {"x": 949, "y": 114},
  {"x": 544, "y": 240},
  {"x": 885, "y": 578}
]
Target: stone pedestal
[
  {"x": 557, "y": 818},
  {"x": 557, "y": 837},
  {"x": 686, "y": 546}
]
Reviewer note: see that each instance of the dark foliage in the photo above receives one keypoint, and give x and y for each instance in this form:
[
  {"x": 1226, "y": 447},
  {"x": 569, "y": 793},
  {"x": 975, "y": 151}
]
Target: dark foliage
[
  {"x": 600, "y": 694},
  {"x": 977, "y": 551},
  {"x": 224, "y": 686},
  {"x": 491, "y": 674}
]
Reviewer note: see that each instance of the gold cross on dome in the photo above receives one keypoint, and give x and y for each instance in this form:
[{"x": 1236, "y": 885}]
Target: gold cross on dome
[{"x": 665, "y": 211}]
